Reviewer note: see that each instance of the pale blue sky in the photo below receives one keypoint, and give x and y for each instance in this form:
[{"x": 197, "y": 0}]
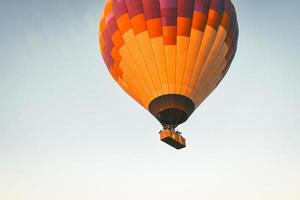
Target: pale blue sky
[{"x": 68, "y": 132}]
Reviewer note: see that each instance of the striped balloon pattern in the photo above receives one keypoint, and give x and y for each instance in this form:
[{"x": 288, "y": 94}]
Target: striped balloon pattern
[{"x": 168, "y": 55}]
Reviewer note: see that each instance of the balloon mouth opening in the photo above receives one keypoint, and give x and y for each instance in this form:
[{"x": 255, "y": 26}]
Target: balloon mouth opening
[
  {"x": 171, "y": 109},
  {"x": 172, "y": 116}
]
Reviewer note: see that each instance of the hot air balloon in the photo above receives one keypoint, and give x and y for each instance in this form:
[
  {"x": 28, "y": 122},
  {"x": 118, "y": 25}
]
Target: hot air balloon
[{"x": 168, "y": 55}]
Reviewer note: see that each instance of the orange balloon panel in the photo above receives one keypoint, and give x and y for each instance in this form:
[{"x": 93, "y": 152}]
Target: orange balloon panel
[{"x": 169, "y": 55}]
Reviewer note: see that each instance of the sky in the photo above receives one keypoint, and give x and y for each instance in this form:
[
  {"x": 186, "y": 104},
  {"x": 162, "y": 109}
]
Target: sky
[{"x": 67, "y": 131}]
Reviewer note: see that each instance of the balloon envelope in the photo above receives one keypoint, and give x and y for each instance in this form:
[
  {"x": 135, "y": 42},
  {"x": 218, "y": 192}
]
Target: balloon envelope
[{"x": 169, "y": 55}]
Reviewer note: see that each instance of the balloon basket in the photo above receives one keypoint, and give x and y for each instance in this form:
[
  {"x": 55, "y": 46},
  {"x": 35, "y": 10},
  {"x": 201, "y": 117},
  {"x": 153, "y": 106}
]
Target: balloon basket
[{"x": 172, "y": 138}]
